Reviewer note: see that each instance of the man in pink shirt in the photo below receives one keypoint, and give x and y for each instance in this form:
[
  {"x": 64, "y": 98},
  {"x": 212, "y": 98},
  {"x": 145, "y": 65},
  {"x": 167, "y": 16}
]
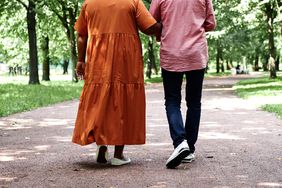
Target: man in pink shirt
[{"x": 184, "y": 51}]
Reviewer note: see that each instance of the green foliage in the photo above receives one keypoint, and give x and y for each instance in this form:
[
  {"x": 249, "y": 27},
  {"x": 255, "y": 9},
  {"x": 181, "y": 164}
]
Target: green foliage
[
  {"x": 242, "y": 31},
  {"x": 14, "y": 39},
  {"x": 18, "y": 97}
]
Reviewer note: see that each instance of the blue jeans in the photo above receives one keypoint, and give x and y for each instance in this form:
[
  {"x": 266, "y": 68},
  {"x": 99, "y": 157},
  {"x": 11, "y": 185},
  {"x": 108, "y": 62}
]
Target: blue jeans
[{"x": 172, "y": 82}]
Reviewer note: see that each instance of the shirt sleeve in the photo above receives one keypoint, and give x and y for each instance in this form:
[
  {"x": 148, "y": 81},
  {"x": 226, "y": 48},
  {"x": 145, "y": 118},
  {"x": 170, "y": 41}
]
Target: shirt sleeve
[
  {"x": 81, "y": 22},
  {"x": 155, "y": 10},
  {"x": 143, "y": 17},
  {"x": 210, "y": 22}
]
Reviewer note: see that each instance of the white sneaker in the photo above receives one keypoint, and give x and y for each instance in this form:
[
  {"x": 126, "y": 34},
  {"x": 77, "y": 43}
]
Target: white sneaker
[
  {"x": 189, "y": 158},
  {"x": 119, "y": 162},
  {"x": 102, "y": 158},
  {"x": 179, "y": 153}
]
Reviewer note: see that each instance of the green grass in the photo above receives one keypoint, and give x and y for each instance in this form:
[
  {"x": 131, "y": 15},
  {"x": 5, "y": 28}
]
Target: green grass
[
  {"x": 158, "y": 78},
  {"x": 213, "y": 74},
  {"x": 274, "y": 108},
  {"x": 17, "y": 96},
  {"x": 261, "y": 87},
  {"x": 22, "y": 97},
  {"x": 154, "y": 79}
]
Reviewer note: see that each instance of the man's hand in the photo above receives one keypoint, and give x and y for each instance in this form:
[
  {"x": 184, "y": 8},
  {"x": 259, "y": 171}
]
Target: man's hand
[
  {"x": 159, "y": 33},
  {"x": 158, "y": 36},
  {"x": 80, "y": 68}
]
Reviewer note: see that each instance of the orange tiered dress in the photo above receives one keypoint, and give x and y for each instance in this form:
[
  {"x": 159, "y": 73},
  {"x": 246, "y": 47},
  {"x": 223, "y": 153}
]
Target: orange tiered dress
[{"x": 112, "y": 104}]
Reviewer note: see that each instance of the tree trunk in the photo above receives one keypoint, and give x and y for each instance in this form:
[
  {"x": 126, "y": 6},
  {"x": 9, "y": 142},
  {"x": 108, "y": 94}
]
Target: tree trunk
[
  {"x": 218, "y": 60},
  {"x": 281, "y": 28},
  {"x": 66, "y": 66},
  {"x": 46, "y": 59},
  {"x": 271, "y": 46},
  {"x": 277, "y": 63},
  {"x": 151, "y": 63},
  {"x": 256, "y": 66},
  {"x": 265, "y": 64},
  {"x": 73, "y": 55},
  {"x": 228, "y": 65},
  {"x": 72, "y": 40},
  {"x": 33, "y": 56},
  {"x": 271, "y": 64},
  {"x": 219, "y": 65},
  {"x": 222, "y": 66}
]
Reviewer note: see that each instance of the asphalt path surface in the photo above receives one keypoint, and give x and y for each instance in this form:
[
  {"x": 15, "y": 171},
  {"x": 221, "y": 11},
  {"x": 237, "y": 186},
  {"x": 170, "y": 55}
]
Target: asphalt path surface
[{"x": 239, "y": 146}]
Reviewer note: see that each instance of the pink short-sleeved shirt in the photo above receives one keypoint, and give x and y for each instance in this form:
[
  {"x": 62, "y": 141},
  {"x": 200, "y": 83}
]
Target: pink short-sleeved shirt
[{"x": 183, "y": 40}]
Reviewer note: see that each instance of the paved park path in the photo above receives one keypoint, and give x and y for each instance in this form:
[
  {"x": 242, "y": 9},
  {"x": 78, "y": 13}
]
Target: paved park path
[{"x": 239, "y": 146}]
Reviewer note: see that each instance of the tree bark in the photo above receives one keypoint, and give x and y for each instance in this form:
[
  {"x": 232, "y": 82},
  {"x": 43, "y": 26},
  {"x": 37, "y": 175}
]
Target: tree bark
[
  {"x": 72, "y": 41},
  {"x": 277, "y": 62},
  {"x": 73, "y": 54},
  {"x": 270, "y": 13},
  {"x": 271, "y": 64},
  {"x": 151, "y": 63},
  {"x": 218, "y": 58},
  {"x": 256, "y": 65},
  {"x": 65, "y": 66},
  {"x": 33, "y": 56},
  {"x": 46, "y": 59}
]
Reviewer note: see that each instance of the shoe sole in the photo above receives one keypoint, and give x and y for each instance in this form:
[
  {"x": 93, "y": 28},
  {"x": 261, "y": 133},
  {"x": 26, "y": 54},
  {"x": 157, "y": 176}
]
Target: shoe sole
[
  {"x": 120, "y": 164},
  {"x": 178, "y": 159},
  {"x": 102, "y": 158},
  {"x": 187, "y": 161}
]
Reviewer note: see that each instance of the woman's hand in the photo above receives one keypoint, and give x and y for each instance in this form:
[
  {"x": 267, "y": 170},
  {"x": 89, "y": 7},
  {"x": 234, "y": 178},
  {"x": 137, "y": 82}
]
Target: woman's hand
[{"x": 80, "y": 70}]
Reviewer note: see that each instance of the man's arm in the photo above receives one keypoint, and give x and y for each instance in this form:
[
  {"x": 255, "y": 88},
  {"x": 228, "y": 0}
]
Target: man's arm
[
  {"x": 210, "y": 22},
  {"x": 154, "y": 29},
  {"x": 156, "y": 13}
]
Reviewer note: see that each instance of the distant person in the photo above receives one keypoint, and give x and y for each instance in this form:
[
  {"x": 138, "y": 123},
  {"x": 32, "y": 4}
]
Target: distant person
[
  {"x": 183, "y": 51},
  {"x": 239, "y": 69},
  {"x": 112, "y": 104}
]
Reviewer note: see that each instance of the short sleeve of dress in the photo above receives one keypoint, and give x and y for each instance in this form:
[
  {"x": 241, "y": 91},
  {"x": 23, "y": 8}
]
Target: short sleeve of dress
[
  {"x": 143, "y": 17},
  {"x": 81, "y": 22}
]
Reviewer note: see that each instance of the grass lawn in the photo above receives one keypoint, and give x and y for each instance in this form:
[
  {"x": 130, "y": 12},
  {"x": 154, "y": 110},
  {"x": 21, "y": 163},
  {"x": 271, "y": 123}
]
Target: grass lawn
[
  {"x": 17, "y": 96},
  {"x": 261, "y": 87},
  {"x": 158, "y": 78},
  {"x": 22, "y": 97},
  {"x": 275, "y": 108}
]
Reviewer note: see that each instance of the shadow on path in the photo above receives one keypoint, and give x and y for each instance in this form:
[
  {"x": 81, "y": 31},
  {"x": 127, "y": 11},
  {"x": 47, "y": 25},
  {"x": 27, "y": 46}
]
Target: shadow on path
[{"x": 238, "y": 146}]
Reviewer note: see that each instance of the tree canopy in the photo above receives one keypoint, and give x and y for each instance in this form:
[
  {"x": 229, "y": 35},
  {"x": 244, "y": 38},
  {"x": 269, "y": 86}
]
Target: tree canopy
[{"x": 36, "y": 32}]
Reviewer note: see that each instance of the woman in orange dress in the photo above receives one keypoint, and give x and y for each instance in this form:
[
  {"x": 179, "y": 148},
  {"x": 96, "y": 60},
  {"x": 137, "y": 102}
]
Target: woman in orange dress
[{"x": 112, "y": 104}]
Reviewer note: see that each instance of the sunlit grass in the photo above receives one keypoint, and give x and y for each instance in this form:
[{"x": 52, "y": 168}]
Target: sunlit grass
[
  {"x": 261, "y": 87},
  {"x": 213, "y": 74},
  {"x": 22, "y": 97},
  {"x": 158, "y": 78},
  {"x": 275, "y": 108},
  {"x": 17, "y": 96},
  {"x": 154, "y": 79}
]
